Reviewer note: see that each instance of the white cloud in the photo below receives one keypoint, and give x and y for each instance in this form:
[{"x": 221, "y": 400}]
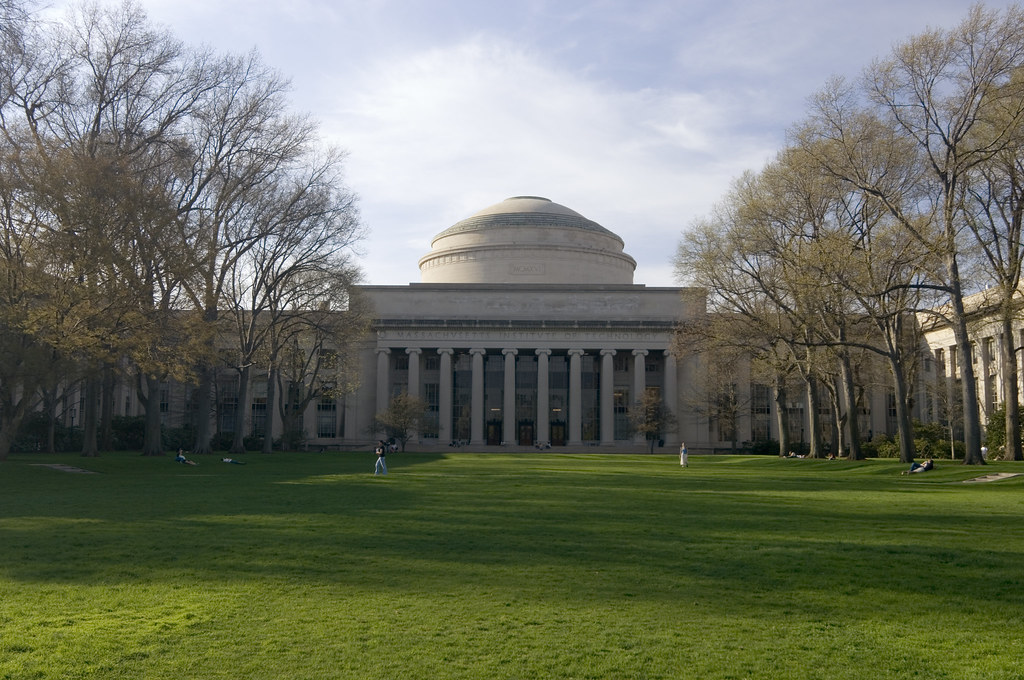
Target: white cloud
[
  {"x": 637, "y": 114},
  {"x": 445, "y": 133}
]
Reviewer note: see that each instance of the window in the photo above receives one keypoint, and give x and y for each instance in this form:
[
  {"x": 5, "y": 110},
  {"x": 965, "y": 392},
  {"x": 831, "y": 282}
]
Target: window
[
  {"x": 621, "y": 362},
  {"x": 431, "y": 395},
  {"x": 760, "y": 410},
  {"x": 327, "y": 418},
  {"x": 259, "y": 416}
]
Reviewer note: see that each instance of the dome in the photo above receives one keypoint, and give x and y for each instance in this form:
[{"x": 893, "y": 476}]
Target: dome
[{"x": 527, "y": 239}]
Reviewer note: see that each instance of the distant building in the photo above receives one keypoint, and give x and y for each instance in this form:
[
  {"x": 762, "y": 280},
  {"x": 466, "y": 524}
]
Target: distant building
[
  {"x": 526, "y": 329},
  {"x": 944, "y": 362}
]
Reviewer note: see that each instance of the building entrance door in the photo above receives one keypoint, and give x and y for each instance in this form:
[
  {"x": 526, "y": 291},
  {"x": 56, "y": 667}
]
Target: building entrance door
[
  {"x": 558, "y": 433},
  {"x": 526, "y": 434},
  {"x": 493, "y": 432}
]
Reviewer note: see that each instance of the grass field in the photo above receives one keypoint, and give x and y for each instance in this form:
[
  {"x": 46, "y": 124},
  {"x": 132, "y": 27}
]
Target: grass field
[{"x": 508, "y": 566}]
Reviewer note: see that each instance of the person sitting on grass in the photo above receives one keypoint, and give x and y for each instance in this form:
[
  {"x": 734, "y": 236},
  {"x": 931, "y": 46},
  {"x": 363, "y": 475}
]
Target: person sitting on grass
[
  {"x": 180, "y": 458},
  {"x": 916, "y": 467}
]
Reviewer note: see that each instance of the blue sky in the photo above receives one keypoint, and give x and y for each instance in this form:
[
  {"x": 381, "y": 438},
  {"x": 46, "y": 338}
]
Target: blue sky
[{"x": 637, "y": 114}]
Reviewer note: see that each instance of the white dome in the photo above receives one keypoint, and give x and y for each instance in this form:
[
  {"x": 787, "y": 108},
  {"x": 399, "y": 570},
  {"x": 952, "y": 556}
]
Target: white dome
[{"x": 527, "y": 239}]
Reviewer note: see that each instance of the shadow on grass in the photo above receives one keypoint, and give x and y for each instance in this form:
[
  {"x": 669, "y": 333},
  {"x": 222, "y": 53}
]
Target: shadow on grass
[{"x": 580, "y": 529}]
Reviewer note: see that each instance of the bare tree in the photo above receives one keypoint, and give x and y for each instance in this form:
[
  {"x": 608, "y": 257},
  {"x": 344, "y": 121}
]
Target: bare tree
[
  {"x": 650, "y": 417},
  {"x": 403, "y": 416},
  {"x": 241, "y": 141},
  {"x": 291, "y": 291},
  {"x": 950, "y": 101},
  {"x": 995, "y": 216}
]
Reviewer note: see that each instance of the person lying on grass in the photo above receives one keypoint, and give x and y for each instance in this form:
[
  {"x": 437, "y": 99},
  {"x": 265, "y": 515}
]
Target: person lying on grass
[
  {"x": 916, "y": 467},
  {"x": 232, "y": 460}
]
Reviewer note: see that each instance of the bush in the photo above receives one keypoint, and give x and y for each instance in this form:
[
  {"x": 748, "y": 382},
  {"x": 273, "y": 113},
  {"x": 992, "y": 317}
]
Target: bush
[
  {"x": 887, "y": 449},
  {"x": 764, "y": 448},
  {"x": 32, "y": 435},
  {"x": 292, "y": 440},
  {"x": 129, "y": 432},
  {"x": 881, "y": 446},
  {"x": 174, "y": 438},
  {"x": 222, "y": 441}
]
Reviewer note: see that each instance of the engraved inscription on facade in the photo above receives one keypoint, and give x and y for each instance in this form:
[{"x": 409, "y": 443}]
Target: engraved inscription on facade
[{"x": 521, "y": 269}]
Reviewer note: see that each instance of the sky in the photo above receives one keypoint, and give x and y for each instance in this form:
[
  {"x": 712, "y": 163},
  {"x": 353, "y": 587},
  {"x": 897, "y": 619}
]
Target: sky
[{"x": 637, "y": 114}]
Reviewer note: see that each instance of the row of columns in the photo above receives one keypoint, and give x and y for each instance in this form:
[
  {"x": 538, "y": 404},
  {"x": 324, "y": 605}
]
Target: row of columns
[
  {"x": 543, "y": 423},
  {"x": 989, "y": 350}
]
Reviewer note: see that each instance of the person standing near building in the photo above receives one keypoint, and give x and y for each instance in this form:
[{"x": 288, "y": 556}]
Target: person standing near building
[
  {"x": 381, "y": 467},
  {"x": 683, "y": 459}
]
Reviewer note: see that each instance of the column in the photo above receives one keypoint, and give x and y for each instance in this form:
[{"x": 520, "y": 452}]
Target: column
[
  {"x": 476, "y": 427},
  {"x": 951, "y": 395},
  {"x": 383, "y": 382},
  {"x": 414, "y": 353},
  {"x": 383, "y": 378},
  {"x": 1000, "y": 341},
  {"x": 985, "y": 391},
  {"x": 575, "y": 398},
  {"x": 639, "y": 381},
  {"x": 413, "y": 388},
  {"x": 350, "y": 416},
  {"x": 607, "y": 397},
  {"x": 444, "y": 406},
  {"x": 509, "y": 431},
  {"x": 672, "y": 395},
  {"x": 543, "y": 433}
]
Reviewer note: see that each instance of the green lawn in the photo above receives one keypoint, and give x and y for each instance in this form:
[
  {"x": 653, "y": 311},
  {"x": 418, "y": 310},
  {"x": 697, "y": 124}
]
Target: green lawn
[{"x": 508, "y": 566}]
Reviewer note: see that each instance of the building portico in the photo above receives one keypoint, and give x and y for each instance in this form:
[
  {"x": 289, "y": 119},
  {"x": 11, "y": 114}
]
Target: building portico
[{"x": 517, "y": 373}]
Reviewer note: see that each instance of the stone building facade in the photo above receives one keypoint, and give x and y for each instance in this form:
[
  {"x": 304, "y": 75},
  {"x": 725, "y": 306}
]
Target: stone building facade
[{"x": 526, "y": 328}]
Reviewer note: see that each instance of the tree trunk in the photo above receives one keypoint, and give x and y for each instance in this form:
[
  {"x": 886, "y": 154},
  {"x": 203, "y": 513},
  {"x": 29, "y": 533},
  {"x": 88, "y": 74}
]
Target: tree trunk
[
  {"x": 905, "y": 432},
  {"x": 781, "y": 419},
  {"x": 204, "y": 404},
  {"x": 839, "y": 416},
  {"x": 853, "y": 422},
  {"x": 268, "y": 428},
  {"x": 12, "y": 412},
  {"x": 50, "y": 409},
  {"x": 152, "y": 444},
  {"x": 813, "y": 423},
  {"x": 107, "y": 409},
  {"x": 1011, "y": 402},
  {"x": 6, "y": 439},
  {"x": 51, "y": 433},
  {"x": 204, "y": 392},
  {"x": 972, "y": 416},
  {"x": 90, "y": 417},
  {"x": 241, "y": 411}
]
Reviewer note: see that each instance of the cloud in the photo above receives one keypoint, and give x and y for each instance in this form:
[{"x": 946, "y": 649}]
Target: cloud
[
  {"x": 637, "y": 114},
  {"x": 451, "y": 130}
]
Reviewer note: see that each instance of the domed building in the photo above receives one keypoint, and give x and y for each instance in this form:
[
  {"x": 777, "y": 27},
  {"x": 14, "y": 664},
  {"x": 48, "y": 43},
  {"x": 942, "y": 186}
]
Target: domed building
[
  {"x": 526, "y": 329},
  {"x": 527, "y": 239}
]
